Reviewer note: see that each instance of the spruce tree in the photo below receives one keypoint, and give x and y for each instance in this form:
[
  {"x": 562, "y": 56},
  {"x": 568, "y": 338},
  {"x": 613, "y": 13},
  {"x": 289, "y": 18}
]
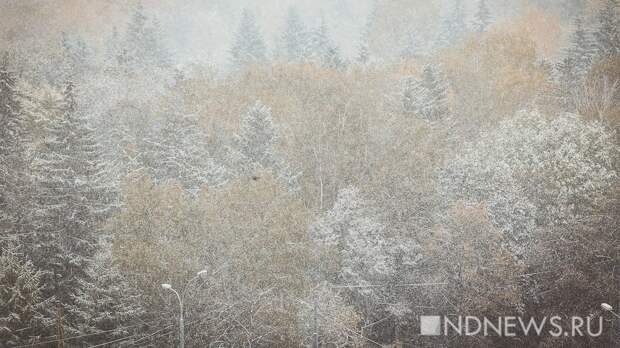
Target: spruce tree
[
  {"x": 294, "y": 36},
  {"x": 255, "y": 146},
  {"x": 482, "y": 17},
  {"x": 426, "y": 97},
  {"x": 607, "y": 35},
  {"x": 69, "y": 203},
  {"x": 142, "y": 46},
  {"x": 577, "y": 60},
  {"x": 363, "y": 52},
  {"x": 22, "y": 305},
  {"x": 179, "y": 151},
  {"x": 436, "y": 85},
  {"x": 105, "y": 303},
  {"x": 113, "y": 50},
  {"x": 453, "y": 26},
  {"x": 75, "y": 57},
  {"x": 582, "y": 48},
  {"x": 257, "y": 136},
  {"x": 412, "y": 45},
  {"x": 249, "y": 47},
  {"x": 12, "y": 131},
  {"x": 321, "y": 49}
]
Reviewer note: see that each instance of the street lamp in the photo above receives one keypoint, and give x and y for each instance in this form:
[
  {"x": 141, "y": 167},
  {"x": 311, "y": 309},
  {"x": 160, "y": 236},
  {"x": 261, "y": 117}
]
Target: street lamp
[
  {"x": 608, "y": 308},
  {"x": 180, "y": 298}
]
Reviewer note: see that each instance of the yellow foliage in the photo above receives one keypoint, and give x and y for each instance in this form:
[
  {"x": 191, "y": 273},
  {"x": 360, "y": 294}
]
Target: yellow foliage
[{"x": 494, "y": 75}]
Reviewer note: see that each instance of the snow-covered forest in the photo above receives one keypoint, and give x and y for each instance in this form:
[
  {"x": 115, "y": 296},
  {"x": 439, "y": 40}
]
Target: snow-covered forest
[{"x": 306, "y": 173}]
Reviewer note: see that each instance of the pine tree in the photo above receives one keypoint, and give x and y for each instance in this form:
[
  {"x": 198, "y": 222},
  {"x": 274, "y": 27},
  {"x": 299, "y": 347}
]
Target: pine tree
[
  {"x": 12, "y": 131},
  {"x": 105, "y": 303},
  {"x": 257, "y": 136},
  {"x": 113, "y": 48},
  {"x": 411, "y": 95},
  {"x": 22, "y": 303},
  {"x": 133, "y": 47},
  {"x": 608, "y": 35},
  {"x": 578, "y": 58},
  {"x": 69, "y": 202},
  {"x": 179, "y": 151},
  {"x": 255, "y": 146},
  {"x": 437, "y": 86},
  {"x": 363, "y": 53},
  {"x": 142, "y": 46},
  {"x": 426, "y": 97},
  {"x": 294, "y": 36},
  {"x": 75, "y": 55},
  {"x": 321, "y": 49},
  {"x": 453, "y": 25},
  {"x": 482, "y": 17},
  {"x": 582, "y": 48},
  {"x": 412, "y": 45},
  {"x": 248, "y": 47},
  {"x": 333, "y": 58}
]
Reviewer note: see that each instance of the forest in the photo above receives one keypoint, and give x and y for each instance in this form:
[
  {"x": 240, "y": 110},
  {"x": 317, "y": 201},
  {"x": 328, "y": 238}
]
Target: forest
[{"x": 306, "y": 173}]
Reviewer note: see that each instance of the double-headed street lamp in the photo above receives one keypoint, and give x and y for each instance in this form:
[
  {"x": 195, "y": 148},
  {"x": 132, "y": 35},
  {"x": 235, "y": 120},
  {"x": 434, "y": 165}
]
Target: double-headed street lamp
[{"x": 180, "y": 298}]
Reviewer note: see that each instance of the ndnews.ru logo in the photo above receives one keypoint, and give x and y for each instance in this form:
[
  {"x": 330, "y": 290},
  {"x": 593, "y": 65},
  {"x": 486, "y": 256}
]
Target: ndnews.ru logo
[{"x": 510, "y": 326}]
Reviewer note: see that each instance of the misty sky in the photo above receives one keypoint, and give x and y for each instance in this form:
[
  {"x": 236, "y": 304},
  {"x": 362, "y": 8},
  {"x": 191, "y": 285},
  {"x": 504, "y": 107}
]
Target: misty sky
[{"x": 202, "y": 30}]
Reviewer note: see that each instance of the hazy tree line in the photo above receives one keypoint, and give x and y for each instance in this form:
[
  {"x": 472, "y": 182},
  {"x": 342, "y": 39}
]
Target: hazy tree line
[{"x": 329, "y": 200}]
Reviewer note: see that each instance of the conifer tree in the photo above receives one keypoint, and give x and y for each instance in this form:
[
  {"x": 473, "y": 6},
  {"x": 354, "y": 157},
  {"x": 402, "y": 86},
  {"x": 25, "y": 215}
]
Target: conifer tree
[
  {"x": 105, "y": 303},
  {"x": 248, "y": 47},
  {"x": 412, "y": 45},
  {"x": 69, "y": 203},
  {"x": 453, "y": 26},
  {"x": 577, "y": 61},
  {"x": 582, "y": 48},
  {"x": 363, "y": 52},
  {"x": 294, "y": 36},
  {"x": 113, "y": 51},
  {"x": 436, "y": 84},
  {"x": 179, "y": 151},
  {"x": 12, "y": 130},
  {"x": 257, "y": 136},
  {"x": 426, "y": 97},
  {"x": 75, "y": 57},
  {"x": 607, "y": 35},
  {"x": 321, "y": 49},
  {"x": 482, "y": 17},
  {"x": 255, "y": 146},
  {"x": 22, "y": 304},
  {"x": 142, "y": 46}
]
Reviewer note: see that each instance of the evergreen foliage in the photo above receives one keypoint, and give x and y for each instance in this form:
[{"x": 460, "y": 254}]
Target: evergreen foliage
[
  {"x": 12, "y": 132},
  {"x": 22, "y": 303},
  {"x": 248, "y": 47},
  {"x": 482, "y": 17},
  {"x": 607, "y": 35}
]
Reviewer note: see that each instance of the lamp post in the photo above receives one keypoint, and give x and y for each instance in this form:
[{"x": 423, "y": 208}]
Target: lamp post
[
  {"x": 180, "y": 298},
  {"x": 608, "y": 308}
]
